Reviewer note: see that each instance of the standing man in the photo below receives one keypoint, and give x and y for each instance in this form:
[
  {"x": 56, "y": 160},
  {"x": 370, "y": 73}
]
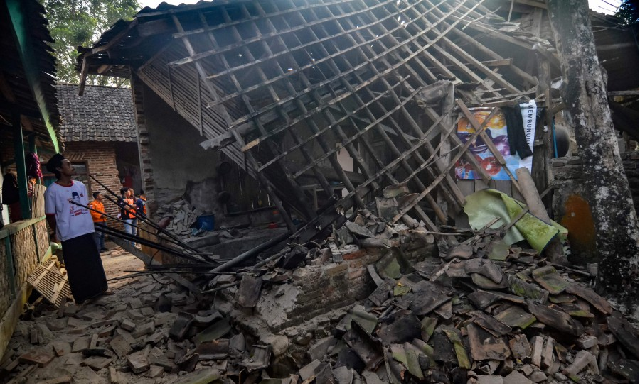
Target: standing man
[
  {"x": 140, "y": 202},
  {"x": 72, "y": 225},
  {"x": 99, "y": 219}
]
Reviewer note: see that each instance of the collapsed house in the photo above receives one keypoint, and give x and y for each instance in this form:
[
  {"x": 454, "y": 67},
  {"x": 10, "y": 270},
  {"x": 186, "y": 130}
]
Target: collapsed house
[
  {"x": 324, "y": 104},
  {"x": 360, "y": 122}
]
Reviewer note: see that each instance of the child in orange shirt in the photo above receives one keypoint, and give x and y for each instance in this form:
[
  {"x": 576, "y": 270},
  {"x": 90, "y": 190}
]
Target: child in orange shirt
[{"x": 99, "y": 219}]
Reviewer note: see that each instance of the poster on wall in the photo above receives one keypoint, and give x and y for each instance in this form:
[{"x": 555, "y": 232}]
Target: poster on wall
[{"x": 497, "y": 130}]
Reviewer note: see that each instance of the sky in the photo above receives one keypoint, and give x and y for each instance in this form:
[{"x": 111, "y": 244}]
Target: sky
[{"x": 603, "y": 6}]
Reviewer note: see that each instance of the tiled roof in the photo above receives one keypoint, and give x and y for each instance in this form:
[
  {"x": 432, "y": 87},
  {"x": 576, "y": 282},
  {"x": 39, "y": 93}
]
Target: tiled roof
[{"x": 100, "y": 114}]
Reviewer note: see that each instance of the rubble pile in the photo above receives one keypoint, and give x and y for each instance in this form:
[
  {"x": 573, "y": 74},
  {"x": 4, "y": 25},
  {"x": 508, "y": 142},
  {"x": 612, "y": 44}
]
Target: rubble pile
[
  {"x": 180, "y": 216},
  {"x": 441, "y": 307},
  {"x": 479, "y": 313}
]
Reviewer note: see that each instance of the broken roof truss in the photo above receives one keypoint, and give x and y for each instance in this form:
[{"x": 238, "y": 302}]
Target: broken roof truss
[{"x": 284, "y": 87}]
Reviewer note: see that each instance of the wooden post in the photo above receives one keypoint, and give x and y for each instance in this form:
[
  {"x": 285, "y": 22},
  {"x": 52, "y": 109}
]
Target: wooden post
[
  {"x": 606, "y": 185},
  {"x": 553, "y": 250},
  {"x": 32, "y": 143},
  {"x": 21, "y": 167},
  {"x": 34, "y": 149}
]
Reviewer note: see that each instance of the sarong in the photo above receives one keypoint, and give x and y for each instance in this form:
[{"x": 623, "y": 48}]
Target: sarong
[{"x": 84, "y": 266}]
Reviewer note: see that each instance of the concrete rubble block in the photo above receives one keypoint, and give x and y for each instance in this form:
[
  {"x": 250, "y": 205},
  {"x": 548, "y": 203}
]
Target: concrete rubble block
[
  {"x": 80, "y": 344},
  {"x": 39, "y": 356},
  {"x": 127, "y": 325},
  {"x": 97, "y": 363},
  {"x": 144, "y": 329},
  {"x": 155, "y": 371},
  {"x": 61, "y": 348},
  {"x": 537, "y": 349},
  {"x": 343, "y": 375},
  {"x": 538, "y": 377},
  {"x": 547, "y": 355},
  {"x": 56, "y": 324},
  {"x": 490, "y": 379},
  {"x": 308, "y": 370},
  {"x": 583, "y": 360},
  {"x": 319, "y": 349},
  {"x": 527, "y": 369},
  {"x": 200, "y": 376},
  {"x": 120, "y": 345},
  {"x": 77, "y": 323},
  {"x": 64, "y": 379},
  {"x": 516, "y": 378},
  {"x": 249, "y": 292},
  {"x": 135, "y": 303},
  {"x": 586, "y": 341},
  {"x": 147, "y": 311},
  {"x": 138, "y": 362},
  {"x": 520, "y": 347}
]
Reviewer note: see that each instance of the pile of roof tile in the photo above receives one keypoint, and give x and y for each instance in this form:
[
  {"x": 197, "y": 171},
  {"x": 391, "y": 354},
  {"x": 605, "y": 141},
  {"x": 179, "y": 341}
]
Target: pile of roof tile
[{"x": 481, "y": 312}]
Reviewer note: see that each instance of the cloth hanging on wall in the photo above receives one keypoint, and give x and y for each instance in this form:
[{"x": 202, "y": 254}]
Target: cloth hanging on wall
[{"x": 516, "y": 134}]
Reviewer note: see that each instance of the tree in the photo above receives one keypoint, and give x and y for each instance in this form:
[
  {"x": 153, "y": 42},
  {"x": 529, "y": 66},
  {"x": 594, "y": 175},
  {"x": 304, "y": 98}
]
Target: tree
[
  {"x": 629, "y": 12},
  {"x": 584, "y": 92},
  {"x": 80, "y": 22}
]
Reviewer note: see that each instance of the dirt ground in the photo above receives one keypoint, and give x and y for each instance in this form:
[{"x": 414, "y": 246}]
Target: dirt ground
[{"x": 50, "y": 345}]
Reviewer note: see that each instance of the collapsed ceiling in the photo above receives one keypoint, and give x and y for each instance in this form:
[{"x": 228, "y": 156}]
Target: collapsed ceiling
[{"x": 288, "y": 88}]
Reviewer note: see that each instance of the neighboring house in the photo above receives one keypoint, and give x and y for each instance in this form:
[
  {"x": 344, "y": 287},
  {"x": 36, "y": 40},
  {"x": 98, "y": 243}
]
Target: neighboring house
[
  {"x": 100, "y": 136},
  {"x": 28, "y": 124}
]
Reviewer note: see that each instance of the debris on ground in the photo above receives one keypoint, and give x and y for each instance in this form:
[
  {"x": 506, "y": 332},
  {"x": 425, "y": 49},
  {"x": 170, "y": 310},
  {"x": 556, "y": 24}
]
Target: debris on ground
[{"x": 373, "y": 303}]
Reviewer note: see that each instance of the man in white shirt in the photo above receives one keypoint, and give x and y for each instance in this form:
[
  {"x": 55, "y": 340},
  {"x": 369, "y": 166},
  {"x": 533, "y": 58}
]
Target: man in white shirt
[{"x": 73, "y": 227}]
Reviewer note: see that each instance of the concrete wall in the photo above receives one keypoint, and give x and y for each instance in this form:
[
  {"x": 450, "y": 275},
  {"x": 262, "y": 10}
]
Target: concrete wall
[
  {"x": 571, "y": 208},
  {"x": 173, "y": 149}
]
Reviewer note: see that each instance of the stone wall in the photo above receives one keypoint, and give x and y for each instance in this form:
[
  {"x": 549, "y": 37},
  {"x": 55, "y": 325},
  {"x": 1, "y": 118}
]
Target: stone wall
[
  {"x": 22, "y": 246},
  {"x": 101, "y": 161}
]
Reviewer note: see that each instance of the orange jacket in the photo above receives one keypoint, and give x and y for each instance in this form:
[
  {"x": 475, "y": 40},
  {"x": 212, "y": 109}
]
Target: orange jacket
[
  {"x": 97, "y": 216},
  {"x": 129, "y": 212}
]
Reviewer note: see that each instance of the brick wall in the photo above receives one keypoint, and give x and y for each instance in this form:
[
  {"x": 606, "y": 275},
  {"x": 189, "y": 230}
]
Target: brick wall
[
  {"x": 144, "y": 148},
  {"x": 101, "y": 161}
]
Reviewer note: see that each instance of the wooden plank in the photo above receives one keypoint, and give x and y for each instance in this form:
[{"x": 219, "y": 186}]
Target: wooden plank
[
  {"x": 480, "y": 185},
  {"x": 464, "y": 148},
  {"x": 504, "y": 186}
]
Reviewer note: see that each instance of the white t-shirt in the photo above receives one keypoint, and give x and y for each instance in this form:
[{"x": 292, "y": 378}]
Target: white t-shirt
[{"x": 71, "y": 220}]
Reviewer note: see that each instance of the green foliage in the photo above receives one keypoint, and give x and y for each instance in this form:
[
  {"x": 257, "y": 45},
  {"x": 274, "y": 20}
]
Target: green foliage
[
  {"x": 629, "y": 12},
  {"x": 74, "y": 23}
]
